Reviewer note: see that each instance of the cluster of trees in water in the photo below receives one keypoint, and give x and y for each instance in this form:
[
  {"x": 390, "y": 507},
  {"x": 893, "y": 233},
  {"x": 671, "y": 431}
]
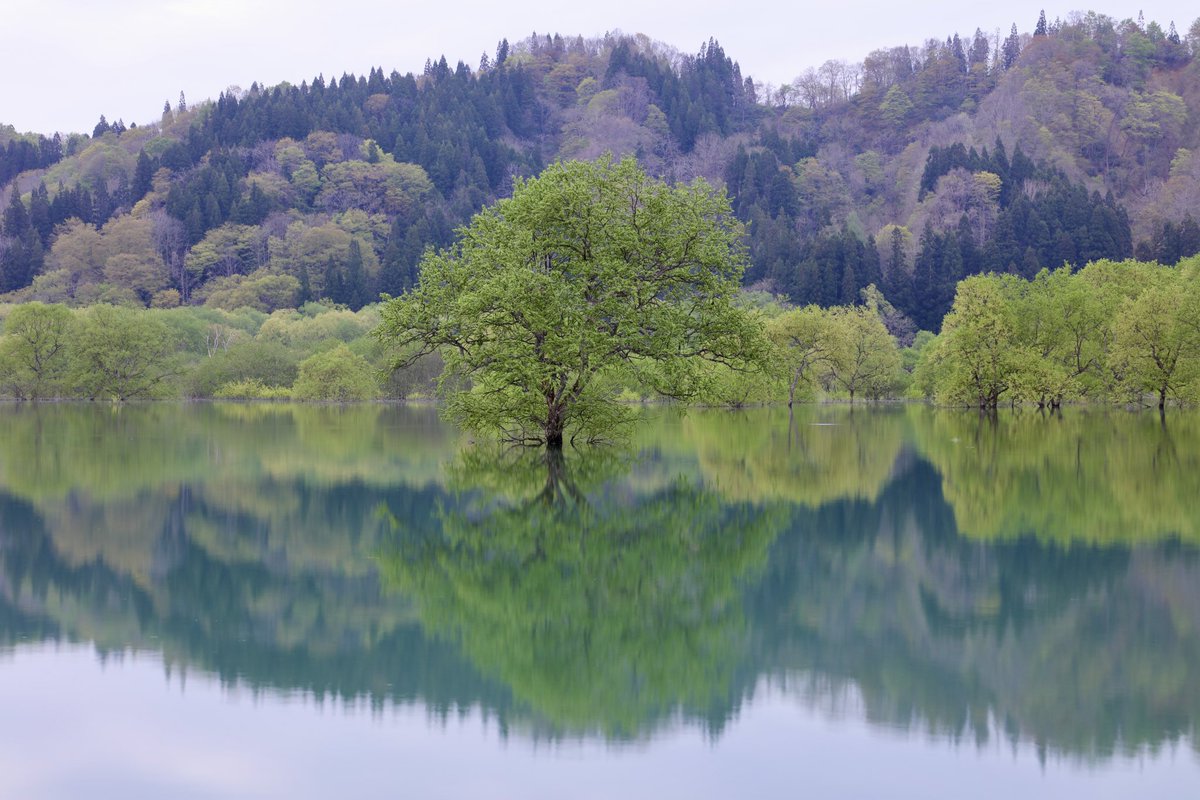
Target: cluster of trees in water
[
  {"x": 106, "y": 352},
  {"x": 1121, "y": 332},
  {"x": 1112, "y": 332}
]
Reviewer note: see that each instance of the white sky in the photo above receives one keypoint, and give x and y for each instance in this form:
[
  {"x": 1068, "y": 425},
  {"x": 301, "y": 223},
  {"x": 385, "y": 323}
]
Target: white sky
[{"x": 69, "y": 61}]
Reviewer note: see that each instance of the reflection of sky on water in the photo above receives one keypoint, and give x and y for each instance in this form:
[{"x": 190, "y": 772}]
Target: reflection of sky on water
[{"x": 75, "y": 728}]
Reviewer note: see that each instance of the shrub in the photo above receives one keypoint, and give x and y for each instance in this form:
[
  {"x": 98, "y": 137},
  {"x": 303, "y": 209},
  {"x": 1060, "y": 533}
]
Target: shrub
[
  {"x": 252, "y": 390},
  {"x": 336, "y": 375},
  {"x": 267, "y": 363}
]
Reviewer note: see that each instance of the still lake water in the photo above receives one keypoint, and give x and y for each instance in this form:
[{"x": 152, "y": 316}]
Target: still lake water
[{"x": 268, "y": 601}]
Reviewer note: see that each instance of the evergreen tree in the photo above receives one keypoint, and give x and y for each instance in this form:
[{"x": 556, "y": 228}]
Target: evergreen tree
[
  {"x": 1010, "y": 51},
  {"x": 357, "y": 293},
  {"x": 304, "y": 293},
  {"x": 335, "y": 288}
]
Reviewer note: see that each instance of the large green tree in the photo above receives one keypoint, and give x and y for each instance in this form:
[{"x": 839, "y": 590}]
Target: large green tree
[
  {"x": 120, "y": 354},
  {"x": 588, "y": 269}
]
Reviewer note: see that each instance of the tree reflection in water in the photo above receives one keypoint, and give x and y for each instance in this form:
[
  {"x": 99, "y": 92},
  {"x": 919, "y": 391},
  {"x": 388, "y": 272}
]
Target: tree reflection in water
[
  {"x": 1027, "y": 577},
  {"x": 604, "y": 606}
]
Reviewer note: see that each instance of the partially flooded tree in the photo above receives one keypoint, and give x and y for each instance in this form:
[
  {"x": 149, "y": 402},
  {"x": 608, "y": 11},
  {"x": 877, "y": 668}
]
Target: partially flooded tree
[
  {"x": 588, "y": 269},
  {"x": 806, "y": 345},
  {"x": 119, "y": 354},
  {"x": 33, "y": 351},
  {"x": 1156, "y": 344}
]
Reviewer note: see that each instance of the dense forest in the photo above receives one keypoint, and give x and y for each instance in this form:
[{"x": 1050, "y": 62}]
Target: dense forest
[{"x": 910, "y": 170}]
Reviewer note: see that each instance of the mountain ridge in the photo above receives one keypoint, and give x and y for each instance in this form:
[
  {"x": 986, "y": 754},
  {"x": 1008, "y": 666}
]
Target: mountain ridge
[{"x": 910, "y": 169}]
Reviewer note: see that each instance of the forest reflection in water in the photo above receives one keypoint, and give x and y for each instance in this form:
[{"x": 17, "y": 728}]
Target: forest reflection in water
[{"x": 1028, "y": 577}]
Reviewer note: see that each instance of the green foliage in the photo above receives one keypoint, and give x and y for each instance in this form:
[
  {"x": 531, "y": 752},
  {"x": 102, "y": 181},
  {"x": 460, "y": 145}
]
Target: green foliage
[
  {"x": 1122, "y": 331},
  {"x": 866, "y": 361},
  {"x": 315, "y": 324},
  {"x": 805, "y": 343},
  {"x": 34, "y": 350},
  {"x": 122, "y": 354},
  {"x": 383, "y": 187},
  {"x": 587, "y": 269},
  {"x": 1156, "y": 338},
  {"x": 336, "y": 375},
  {"x": 845, "y": 347},
  {"x": 265, "y": 363},
  {"x": 261, "y": 291},
  {"x": 979, "y": 344},
  {"x": 251, "y": 389}
]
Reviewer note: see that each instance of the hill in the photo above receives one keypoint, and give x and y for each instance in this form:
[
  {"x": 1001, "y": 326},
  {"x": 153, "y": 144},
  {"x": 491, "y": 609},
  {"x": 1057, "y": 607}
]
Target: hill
[{"x": 910, "y": 169}]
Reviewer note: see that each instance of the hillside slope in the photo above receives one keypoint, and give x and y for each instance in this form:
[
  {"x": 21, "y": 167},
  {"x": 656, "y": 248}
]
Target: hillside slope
[{"x": 910, "y": 170}]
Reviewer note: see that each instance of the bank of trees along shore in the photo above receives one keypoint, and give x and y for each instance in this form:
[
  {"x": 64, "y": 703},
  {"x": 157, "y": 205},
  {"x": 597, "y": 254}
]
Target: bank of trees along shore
[
  {"x": 116, "y": 353},
  {"x": 1113, "y": 332},
  {"x": 1124, "y": 332}
]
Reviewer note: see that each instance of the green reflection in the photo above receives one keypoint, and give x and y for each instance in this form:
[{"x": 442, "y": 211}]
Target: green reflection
[
  {"x": 810, "y": 457},
  {"x": 1020, "y": 576},
  {"x": 1077, "y": 477},
  {"x": 603, "y": 606}
]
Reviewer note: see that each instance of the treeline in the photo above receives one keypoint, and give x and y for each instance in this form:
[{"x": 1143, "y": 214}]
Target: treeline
[
  {"x": 115, "y": 353},
  {"x": 21, "y": 153},
  {"x": 1124, "y": 332},
  {"x": 1113, "y": 332},
  {"x": 983, "y": 213}
]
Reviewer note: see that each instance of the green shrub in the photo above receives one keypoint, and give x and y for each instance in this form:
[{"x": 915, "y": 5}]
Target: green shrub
[
  {"x": 251, "y": 389},
  {"x": 268, "y": 363},
  {"x": 336, "y": 375}
]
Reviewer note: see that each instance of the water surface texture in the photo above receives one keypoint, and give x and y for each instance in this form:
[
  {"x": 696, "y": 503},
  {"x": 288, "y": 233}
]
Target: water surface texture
[{"x": 275, "y": 601}]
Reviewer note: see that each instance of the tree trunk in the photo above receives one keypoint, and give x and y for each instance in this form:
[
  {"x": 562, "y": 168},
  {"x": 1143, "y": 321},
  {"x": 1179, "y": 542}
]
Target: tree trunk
[{"x": 554, "y": 427}]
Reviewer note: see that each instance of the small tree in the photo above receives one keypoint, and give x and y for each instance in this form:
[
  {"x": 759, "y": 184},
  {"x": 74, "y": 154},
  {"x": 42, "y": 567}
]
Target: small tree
[
  {"x": 587, "y": 269},
  {"x": 805, "y": 342},
  {"x": 865, "y": 360},
  {"x": 978, "y": 349},
  {"x": 337, "y": 376},
  {"x": 1156, "y": 347}
]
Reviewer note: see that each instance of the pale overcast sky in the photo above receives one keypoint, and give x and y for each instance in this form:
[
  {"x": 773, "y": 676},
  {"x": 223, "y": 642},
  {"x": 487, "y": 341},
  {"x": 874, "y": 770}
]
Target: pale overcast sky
[{"x": 69, "y": 61}]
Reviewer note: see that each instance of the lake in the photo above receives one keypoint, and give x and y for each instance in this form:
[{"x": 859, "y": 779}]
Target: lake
[{"x": 278, "y": 601}]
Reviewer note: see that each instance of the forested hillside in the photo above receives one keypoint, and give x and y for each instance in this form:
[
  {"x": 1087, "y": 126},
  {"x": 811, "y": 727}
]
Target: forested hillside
[{"x": 910, "y": 170}]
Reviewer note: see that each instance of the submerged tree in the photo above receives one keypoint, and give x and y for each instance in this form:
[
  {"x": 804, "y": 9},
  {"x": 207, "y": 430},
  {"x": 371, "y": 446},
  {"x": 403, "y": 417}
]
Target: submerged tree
[{"x": 588, "y": 269}]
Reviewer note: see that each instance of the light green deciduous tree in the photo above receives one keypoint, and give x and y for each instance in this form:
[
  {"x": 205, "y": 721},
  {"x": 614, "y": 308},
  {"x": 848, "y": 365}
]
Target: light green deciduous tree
[
  {"x": 588, "y": 268},
  {"x": 33, "y": 351},
  {"x": 120, "y": 354}
]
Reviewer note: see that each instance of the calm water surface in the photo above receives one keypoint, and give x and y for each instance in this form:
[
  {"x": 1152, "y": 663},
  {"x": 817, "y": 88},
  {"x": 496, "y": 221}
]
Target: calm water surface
[{"x": 267, "y": 601}]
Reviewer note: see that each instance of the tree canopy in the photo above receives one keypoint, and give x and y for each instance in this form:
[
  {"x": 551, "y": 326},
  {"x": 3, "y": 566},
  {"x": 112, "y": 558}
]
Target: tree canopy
[{"x": 589, "y": 269}]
